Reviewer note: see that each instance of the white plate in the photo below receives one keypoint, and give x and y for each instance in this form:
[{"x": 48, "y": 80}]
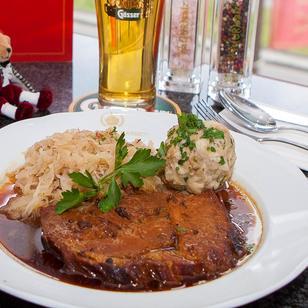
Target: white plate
[{"x": 279, "y": 188}]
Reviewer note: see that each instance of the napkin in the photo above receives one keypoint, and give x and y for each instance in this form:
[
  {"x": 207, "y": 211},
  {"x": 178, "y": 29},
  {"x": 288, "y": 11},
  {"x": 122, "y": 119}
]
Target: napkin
[{"x": 296, "y": 155}]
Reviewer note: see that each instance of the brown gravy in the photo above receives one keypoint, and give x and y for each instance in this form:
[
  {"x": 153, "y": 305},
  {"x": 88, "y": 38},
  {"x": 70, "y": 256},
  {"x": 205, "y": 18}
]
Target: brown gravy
[{"x": 24, "y": 241}]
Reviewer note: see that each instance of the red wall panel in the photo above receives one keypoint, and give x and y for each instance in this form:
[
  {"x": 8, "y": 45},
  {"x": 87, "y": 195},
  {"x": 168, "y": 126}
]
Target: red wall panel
[{"x": 40, "y": 30}]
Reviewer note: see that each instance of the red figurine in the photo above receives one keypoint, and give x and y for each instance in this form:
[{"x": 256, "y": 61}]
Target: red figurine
[{"x": 15, "y": 102}]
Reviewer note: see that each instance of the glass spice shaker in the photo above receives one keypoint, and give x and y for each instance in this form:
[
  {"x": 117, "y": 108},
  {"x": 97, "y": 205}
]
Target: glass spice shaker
[
  {"x": 234, "y": 27},
  {"x": 181, "y": 46}
]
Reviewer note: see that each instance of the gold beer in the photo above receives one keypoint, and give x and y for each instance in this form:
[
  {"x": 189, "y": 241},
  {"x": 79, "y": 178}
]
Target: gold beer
[{"x": 128, "y": 37}]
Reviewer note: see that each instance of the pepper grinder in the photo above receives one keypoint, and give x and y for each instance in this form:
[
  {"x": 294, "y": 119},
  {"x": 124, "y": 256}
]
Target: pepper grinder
[{"x": 234, "y": 27}]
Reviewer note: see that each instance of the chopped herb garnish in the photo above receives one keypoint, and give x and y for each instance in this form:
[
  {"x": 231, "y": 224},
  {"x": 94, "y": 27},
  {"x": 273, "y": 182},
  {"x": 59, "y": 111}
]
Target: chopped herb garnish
[
  {"x": 191, "y": 145},
  {"x": 161, "y": 151},
  {"x": 170, "y": 132},
  {"x": 184, "y": 156},
  {"x": 250, "y": 247},
  {"x": 211, "y": 149},
  {"x": 189, "y": 125},
  {"x": 181, "y": 229},
  {"x": 190, "y": 121},
  {"x": 141, "y": 165},
  {"x": 213, "y": 133},
  {"x": 221, "y": 161}
]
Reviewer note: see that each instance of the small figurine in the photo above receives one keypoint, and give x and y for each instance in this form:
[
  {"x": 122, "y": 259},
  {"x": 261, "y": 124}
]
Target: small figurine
[{"x": 16, "y": 102}]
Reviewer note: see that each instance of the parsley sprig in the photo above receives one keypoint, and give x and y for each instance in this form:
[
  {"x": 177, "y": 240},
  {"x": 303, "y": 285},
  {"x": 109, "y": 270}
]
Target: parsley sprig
[{"x": 141, "y": 165}]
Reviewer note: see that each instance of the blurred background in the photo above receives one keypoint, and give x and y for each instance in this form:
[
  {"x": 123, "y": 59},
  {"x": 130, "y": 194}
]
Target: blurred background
[{"x": 282, "y": 38}]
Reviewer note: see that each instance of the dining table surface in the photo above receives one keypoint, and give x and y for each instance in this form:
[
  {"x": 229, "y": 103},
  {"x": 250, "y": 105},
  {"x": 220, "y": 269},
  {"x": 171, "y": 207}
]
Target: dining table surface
[{"x": 70, "y": 81}]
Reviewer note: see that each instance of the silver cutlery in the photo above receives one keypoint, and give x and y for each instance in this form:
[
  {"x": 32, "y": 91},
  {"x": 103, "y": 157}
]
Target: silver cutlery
[
  {"x": 208, "y": 113},
  {"x": 254, "y": 117}
]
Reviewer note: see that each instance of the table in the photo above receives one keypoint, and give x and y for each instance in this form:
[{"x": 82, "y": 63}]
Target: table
[{"x": 70, "y": 81}]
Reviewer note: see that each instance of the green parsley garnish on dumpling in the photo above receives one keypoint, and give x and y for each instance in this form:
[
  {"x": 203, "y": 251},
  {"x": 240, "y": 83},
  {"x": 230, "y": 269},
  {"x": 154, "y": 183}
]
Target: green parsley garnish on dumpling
[{"x": 199, "y": 155}]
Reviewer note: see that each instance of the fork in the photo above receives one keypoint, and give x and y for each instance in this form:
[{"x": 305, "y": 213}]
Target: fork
[{"x": 208, "y": 113}]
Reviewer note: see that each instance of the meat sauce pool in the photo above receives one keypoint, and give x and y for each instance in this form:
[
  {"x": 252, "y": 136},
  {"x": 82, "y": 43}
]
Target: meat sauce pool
[{"x": 24, "y": 241}]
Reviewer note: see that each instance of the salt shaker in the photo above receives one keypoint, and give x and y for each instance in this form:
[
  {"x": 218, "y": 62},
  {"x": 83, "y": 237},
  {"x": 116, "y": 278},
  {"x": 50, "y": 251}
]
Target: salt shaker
[
  {"x": 233, "y": 38},
  {"x": 182, "y": 46}
]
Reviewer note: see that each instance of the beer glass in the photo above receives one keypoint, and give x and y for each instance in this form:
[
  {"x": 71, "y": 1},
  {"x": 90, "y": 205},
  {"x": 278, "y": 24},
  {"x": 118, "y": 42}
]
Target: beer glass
[{"x": 128, "y": 44}]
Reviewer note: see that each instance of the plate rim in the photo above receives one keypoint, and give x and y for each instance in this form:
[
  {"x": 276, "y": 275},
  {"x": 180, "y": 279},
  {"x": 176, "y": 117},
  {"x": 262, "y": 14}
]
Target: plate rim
[{"x": 235, "y": 301}]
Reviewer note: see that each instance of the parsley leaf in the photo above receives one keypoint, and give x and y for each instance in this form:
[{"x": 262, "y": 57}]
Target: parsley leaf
[
  {"x": 83, "y": 180},
  {"x": 94, "y": 184},
  {"x": 112, "y": 198},
  {"x": 72, "y": 198},
  {"x": 189, "y": 125},
  {"x": 211, "y": 149},
  {"x": 184, "y": 156},
  {"x": 250, "y": 248},
  {"x": 181, "y": 229},
  {"x": 140, "y": 155},
  {"x": 143, "y": 163},
  {"x": 161, "y": 151},
  {"x": 213, "y": 133},
  {"x": 120, "y": 151},
  {"x": 221, "y": 161},
  {"x": 190, "y": 121},
  {"x": 131, "y": 178}
]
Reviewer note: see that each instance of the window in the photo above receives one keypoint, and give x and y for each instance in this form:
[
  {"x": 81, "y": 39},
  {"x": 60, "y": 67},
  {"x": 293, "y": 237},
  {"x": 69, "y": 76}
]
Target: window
[
  {"x": 282, "y": 42},
  {"x": 84, "y": 17}
]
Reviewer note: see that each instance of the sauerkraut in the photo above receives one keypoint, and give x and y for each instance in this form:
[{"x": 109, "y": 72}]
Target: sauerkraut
[{"x": 42, "y": 178}]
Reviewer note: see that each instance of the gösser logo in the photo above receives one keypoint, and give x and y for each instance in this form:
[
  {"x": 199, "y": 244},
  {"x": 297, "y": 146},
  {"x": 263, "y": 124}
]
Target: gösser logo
[{"x": 132, "y": 14}]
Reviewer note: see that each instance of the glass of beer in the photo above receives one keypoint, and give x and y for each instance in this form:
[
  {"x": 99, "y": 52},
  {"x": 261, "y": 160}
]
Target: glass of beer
[{"x": 128, "y": 42}]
